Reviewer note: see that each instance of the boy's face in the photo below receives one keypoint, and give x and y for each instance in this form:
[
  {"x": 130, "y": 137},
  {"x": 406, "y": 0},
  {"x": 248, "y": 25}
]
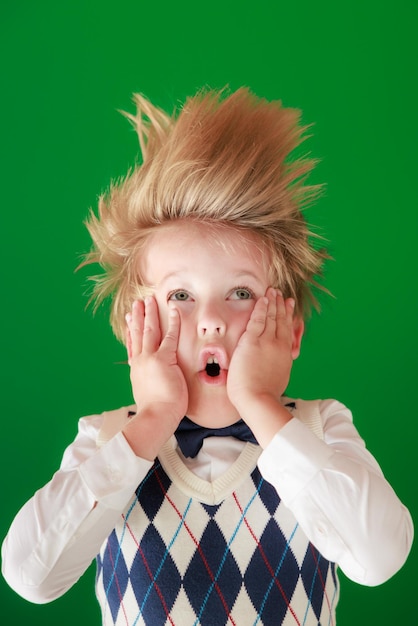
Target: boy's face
[{"x": 214, "y": 277}]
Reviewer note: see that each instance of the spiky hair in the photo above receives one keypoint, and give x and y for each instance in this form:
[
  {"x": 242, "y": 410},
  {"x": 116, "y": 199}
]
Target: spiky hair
[{"x": 223, "y": 158}]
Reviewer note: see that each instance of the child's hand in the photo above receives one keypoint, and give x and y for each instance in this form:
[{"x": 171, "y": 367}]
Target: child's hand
[
  {"x": 260, "y": 367},
  {"x": 158, "y": 385}
]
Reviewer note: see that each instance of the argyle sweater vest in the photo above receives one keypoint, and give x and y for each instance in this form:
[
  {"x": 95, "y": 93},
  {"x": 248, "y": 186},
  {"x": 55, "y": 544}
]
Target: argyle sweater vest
[{"x": 188, "y": 552}]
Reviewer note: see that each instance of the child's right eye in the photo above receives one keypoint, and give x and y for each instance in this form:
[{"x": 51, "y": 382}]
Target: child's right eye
[{"x": 180, "y": 295}]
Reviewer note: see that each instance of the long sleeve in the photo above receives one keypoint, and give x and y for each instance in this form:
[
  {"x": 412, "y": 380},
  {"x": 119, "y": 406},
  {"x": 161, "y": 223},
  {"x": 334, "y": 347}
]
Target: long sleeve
[
  {"x": 338, "y": 494},
  {"x": 59, "y": 531},
  {"x": 334, "y": 487}
]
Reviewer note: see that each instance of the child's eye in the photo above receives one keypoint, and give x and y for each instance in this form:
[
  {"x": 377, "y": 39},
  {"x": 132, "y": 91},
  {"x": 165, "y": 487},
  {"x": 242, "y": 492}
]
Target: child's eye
[
  {"x": 242, "y": 293},
  {"x": 180, "y": 295}
]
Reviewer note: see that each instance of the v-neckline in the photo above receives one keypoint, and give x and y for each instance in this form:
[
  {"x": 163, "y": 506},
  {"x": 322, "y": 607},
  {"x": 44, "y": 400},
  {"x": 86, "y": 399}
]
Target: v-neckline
[{"x": 208, "y": 492}]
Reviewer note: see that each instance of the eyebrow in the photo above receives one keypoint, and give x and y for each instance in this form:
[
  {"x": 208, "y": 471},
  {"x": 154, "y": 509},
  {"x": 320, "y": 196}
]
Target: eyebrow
[
  {"x": 240, "y": 275},
  {"x": 247, "y": 274}
]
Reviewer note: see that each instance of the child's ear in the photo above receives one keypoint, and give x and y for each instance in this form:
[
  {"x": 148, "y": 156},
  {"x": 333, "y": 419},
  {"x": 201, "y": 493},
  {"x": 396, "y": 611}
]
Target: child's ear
[{"x": 298, "y": 328}]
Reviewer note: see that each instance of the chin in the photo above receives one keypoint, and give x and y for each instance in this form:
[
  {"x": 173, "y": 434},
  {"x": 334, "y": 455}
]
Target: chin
[{"x": 213, "y": 413}]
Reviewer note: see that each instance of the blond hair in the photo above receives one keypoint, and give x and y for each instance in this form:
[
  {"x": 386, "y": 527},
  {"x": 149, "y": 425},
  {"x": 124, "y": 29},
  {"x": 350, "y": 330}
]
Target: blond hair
[{"x": 222, "y": 159}]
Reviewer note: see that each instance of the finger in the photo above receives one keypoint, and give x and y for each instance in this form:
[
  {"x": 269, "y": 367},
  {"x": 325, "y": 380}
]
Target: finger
[
  {"x": 170, "y": 341},
  {"x": 128, "y": 339},
  {"x": 135, "y": 322},
  {"x": 152, "y": 333},
  {"x": 257, "y": 322},
  {"x": 285, "y": 310},
  {"x": 271, "y": 317},
  {"x": 290, "y": 309},
  {"x": 280, "y": 306}
]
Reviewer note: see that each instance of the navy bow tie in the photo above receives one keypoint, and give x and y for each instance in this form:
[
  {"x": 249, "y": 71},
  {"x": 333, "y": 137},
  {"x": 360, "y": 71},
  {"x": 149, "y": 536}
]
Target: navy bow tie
[{"x": 190, "y": 436}]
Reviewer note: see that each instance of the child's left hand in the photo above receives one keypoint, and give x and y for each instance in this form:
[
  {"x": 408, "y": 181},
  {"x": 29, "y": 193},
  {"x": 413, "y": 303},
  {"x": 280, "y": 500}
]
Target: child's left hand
[{"x": 261, "y": 364}]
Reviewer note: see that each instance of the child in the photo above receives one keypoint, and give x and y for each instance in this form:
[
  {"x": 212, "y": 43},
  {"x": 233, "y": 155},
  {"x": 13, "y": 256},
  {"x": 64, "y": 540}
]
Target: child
[{"x": 240, "y": 512}]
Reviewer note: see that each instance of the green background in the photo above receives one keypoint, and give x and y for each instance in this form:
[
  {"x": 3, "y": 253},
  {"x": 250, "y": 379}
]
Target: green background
[{"x": 67, "y": 67}]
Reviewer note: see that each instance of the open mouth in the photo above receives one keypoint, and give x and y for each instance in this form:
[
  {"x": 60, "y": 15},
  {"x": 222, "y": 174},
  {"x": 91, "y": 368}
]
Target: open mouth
[{"x": 212, "y": 367}]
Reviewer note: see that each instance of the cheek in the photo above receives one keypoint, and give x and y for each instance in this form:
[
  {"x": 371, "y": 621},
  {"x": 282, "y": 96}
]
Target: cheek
[
  {"x": 187, "y": 325},
  {"x": 240, "y": 318},
  {"x": 187, "y": 328},
  {"x": 163, "y": 316},
  {"x": 187, "y": 345}
]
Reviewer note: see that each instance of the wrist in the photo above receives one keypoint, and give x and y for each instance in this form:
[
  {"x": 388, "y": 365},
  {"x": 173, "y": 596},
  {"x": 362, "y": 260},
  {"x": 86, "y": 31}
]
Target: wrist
[
  {"x": 149, "y": 429},
  {"x": 265, "y": 415}
]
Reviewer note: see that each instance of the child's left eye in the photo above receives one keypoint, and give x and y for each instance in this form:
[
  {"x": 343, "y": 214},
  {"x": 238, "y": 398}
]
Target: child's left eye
[{"x": 242, "y": 293}]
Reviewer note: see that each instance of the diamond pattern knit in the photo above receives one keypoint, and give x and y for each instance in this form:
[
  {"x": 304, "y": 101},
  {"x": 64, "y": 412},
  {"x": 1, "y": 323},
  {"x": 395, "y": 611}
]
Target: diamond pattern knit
[{"x": 173, "y": 559}]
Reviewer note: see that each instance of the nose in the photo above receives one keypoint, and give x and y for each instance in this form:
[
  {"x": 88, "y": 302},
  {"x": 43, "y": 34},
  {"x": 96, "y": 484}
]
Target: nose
[{"x": 211, "y": 321}]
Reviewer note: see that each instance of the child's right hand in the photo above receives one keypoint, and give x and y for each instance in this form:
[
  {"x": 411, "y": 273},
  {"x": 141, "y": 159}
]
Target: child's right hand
[{"x": 158, "y": 384}]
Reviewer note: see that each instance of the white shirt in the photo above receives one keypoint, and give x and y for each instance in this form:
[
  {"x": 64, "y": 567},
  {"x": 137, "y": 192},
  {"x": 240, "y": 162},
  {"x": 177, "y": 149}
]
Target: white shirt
[{"x": 334, "y": 487}]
